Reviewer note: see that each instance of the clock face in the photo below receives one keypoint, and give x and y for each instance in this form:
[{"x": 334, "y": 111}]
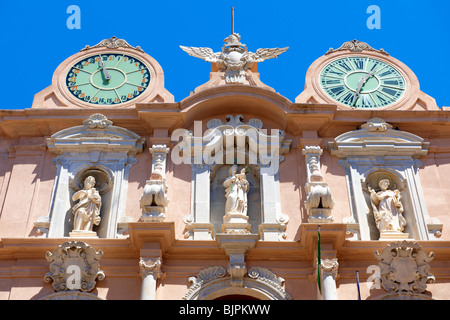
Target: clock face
[
  {"x": 362, "y": 82},
  {"x": 108, "y": 79}
]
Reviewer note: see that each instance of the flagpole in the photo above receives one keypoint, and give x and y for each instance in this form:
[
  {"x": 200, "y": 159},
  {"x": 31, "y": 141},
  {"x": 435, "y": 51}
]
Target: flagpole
[
  {"x": 232, "y": 20},
  {"x": 357, "y": 285},
  {"x": 319, "y": 262}
]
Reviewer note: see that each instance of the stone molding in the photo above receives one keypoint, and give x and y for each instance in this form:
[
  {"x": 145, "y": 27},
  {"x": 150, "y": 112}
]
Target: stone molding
[{"x": 213, "y": 281}]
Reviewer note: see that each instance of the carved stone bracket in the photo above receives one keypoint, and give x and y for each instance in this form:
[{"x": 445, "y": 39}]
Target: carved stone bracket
[
  {"x": 236, "y": 247},
  {"x": 154, "y": 199},
  {"x": 319, "y": 202},
  {"x": 74, "y": 265},
  {"x": 404, "y": 267}
]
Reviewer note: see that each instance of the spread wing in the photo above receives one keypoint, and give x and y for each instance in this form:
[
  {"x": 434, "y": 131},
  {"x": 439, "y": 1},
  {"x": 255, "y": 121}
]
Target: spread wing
[
  {"x": 202, "y": 52},
  {"x": 265, "y": 53}
]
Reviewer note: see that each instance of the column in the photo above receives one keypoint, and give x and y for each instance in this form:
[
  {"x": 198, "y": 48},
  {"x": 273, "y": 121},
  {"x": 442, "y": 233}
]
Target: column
[
  {"x": 150, "y": 269},
  {"x": 329, "y": 272}
]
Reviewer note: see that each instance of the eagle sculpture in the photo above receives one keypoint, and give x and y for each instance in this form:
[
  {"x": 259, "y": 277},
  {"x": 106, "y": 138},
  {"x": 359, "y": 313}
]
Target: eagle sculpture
[{"x": 234, "y": 58}]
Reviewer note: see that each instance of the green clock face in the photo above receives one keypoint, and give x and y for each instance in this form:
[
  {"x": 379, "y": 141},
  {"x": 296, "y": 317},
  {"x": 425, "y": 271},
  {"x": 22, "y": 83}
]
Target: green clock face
[
  {"x": 108, "y": 79},
  {"x": 362, "y": 82}
]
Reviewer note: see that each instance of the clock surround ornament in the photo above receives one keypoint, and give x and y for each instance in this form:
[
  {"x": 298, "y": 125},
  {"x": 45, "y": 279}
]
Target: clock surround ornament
[
  {"x": 108, "y": 78},
  {"x": 380, "y": 83},
  {"x": 362, "y": 82},
  {"x": 118, "y": 74}
]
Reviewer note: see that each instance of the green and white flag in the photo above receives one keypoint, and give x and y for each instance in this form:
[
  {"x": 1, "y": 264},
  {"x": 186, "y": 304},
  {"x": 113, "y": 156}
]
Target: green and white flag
[{"x": 319, "y": 282}]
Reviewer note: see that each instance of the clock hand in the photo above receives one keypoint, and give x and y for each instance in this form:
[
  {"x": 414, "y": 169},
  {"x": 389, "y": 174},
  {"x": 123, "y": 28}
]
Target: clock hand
[
  {"x": 361, "y": 83},
  {"x": 105, "y": 72}
]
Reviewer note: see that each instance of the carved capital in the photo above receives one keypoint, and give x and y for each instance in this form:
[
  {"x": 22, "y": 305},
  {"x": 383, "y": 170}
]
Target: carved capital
[
  {"x": 330, "y": 267},
  {"x": 151, "y": 267}
]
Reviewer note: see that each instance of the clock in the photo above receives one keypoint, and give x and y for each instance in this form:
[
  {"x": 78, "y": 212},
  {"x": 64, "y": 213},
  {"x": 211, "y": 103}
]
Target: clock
[
  {"x": 362, "y": 82},
  {"x": 107, "y": 78}
]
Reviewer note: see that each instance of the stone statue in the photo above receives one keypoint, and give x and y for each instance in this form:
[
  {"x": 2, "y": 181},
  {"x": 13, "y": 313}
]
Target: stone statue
[
  {"x": 86, "y": 213},
  {"x": 387, "y": 208},
  {"x": 236, "y": 189},
  {"x": 234, "y": 58}
]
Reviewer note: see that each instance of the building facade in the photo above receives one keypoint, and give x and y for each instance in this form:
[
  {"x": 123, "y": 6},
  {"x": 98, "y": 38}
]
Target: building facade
[{"x": 111, "y": 189}]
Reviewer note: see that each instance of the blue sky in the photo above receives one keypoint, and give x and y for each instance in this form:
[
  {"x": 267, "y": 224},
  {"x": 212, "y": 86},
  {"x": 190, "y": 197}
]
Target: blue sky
[{"x": 35, "y": 38}]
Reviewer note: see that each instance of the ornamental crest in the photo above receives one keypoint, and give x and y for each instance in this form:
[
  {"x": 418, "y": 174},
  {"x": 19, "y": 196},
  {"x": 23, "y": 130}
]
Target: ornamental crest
[
  {"x": 356, "y": 46},
  {"x": 74, "y": 265},
  {"x": 113, "y": 43},
  {"x": 404, "y": 267}
]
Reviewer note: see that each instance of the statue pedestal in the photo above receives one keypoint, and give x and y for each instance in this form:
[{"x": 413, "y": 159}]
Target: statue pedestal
[
  {"x": 235, "y": 223},
  {"x": 153, "y": 214},
  {"x": 320, "y": 215},
  {"x": 83, "y": 234},
  {"x": 393, "y": 235}
]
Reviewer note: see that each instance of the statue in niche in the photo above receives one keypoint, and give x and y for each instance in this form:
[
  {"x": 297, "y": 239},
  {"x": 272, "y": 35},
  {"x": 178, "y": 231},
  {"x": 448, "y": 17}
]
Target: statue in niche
[
  {"x": 87, "y": 211},
  {"x": 236, "y": 189},
  {"x": 387, "y": 208}
]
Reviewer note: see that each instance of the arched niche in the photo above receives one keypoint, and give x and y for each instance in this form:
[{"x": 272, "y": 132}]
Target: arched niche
[
  {"x": 95, "y": 148},
  {"x": 377, "y": 148},
  {"x": 396, "y": 182},
  {"x": 104, "y": 183},
  {"x": 217, "y": 196},
  {"x": 245, "y": 143}
]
